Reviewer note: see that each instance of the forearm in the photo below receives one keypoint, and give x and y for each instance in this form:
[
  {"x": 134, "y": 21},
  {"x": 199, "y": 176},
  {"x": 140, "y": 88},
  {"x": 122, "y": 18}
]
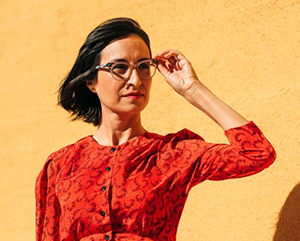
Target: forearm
[{"x": 203, "y": 99}]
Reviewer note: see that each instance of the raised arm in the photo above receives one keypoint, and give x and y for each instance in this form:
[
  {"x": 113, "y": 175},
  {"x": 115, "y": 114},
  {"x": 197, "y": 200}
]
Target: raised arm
[
  {"x": 179, "y": 73},
  {"x": 248, "y": 153}
]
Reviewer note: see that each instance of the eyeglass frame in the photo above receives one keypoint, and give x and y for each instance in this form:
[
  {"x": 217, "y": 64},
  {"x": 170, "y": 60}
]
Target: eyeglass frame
[{"x": 110, "y": 64}]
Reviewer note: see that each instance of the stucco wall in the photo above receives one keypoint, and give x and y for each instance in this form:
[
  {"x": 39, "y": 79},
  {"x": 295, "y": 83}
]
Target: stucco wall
[{"x": 245, "y": 52}]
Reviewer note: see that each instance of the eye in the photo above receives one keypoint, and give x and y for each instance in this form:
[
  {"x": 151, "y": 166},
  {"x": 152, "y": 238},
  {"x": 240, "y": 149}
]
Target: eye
[
  {"x": 145, "y": 65},
  {"x": 120, "y": 68}
]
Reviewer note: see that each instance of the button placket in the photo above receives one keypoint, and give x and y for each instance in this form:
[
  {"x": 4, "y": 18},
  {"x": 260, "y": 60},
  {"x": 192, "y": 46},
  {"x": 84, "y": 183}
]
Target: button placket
[{"x": 103, "y": 188}]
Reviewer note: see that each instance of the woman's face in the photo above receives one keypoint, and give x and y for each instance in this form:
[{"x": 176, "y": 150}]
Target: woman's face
[{"x": 131, "y": 49}]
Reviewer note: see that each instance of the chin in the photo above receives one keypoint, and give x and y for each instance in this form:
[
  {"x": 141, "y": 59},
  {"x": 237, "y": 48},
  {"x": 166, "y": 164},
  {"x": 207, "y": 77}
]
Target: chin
[{"x": 132, "y": 109}]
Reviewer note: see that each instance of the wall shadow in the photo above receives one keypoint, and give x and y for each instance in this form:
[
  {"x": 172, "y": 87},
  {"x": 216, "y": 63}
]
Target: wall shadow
[{"x": 288, "y": 225}]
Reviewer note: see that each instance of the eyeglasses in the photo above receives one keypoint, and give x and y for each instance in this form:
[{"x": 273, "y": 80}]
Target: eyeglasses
[{"x": 122, "y": 70}]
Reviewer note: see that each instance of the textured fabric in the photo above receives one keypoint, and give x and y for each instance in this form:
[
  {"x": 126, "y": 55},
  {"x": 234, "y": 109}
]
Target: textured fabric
[{"x": 137, "y": 190}]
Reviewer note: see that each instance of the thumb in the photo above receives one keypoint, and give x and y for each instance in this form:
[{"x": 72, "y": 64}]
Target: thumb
[{"x": 163, "y": 70}]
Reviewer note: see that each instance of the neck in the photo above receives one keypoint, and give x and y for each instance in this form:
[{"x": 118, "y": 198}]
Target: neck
[{"x": 116, "y": 130}]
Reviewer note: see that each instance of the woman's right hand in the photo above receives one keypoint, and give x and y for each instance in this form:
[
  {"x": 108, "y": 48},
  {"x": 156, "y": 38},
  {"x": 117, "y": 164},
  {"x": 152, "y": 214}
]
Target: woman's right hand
[{"x": 177, "y": 71}]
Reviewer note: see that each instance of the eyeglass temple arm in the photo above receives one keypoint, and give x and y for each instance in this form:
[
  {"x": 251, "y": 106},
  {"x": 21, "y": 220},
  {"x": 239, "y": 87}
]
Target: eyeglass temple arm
[{"x": 103, "y": 65}]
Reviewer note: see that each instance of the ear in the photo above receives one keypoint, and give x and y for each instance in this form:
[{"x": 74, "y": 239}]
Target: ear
[{"x": 91, "y": 85}]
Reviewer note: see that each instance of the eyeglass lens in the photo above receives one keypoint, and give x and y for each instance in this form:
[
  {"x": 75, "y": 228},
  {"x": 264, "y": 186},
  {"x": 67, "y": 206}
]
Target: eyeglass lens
[{"x": 122, "y": 71}]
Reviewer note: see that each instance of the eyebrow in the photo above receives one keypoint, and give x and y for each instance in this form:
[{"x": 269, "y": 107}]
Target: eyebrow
[{"x": 124, "y": 60}]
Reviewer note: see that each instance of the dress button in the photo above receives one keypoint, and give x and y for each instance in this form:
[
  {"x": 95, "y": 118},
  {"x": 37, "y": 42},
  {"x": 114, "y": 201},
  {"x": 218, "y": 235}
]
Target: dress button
[
  {"x": 106, "y": 237},
  {"x": 103, "y": 188},
  {"x": 112, "y": 149},
  {"x": 107, "y": 169},
  {"x": 102, "y": 213}
]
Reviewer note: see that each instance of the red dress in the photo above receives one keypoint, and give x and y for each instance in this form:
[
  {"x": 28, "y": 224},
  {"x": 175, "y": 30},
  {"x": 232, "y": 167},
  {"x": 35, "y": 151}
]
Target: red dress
[{"x": 137, "y": 190}]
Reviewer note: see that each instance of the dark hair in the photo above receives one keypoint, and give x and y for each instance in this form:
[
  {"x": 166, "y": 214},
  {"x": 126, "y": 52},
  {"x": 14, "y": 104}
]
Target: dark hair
[{"x": 73, "y": 94}]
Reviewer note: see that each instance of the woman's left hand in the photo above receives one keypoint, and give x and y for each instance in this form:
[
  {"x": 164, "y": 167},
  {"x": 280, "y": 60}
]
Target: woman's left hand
[{"x": 177, "y": 71}]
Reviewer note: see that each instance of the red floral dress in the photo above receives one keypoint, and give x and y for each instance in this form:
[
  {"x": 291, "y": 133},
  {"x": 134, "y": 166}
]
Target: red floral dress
[{"x": 137, "y": 190}]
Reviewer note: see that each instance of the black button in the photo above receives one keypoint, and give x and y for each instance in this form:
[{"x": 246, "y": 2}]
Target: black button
[
  {"x": 103, "y": 188},
  {"x": 102, "y": 213},
  {"x": 112, "y": 149},
  {"x": 106, "y": 237},
  {"x": 107, "y": 169}
]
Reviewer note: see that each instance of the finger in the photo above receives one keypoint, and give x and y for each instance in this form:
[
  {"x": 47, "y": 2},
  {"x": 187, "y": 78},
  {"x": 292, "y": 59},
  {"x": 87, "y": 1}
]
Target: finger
[
  {"x": 158, "y": 56},
  {"x": 167, "y": 53},
  {"x": 176, "y": 53},
  {"x": 176, "y": 59},
  {"x": 164, "y": 52},
  {"x": 172, "y": 60},
  {"x": 163, "y": 70},
  {"x": 161, "y": 54},
  {"x": 167, "y": 63},
  {"x": 171, "y": 57}
]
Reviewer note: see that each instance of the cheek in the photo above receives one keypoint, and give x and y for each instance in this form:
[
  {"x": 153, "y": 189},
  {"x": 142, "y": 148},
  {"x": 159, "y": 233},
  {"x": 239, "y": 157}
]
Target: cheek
[
  {"x": 148, "y": 88},
  {"x": 107, "y": 90},
  {"x": 148, "y": 85}
]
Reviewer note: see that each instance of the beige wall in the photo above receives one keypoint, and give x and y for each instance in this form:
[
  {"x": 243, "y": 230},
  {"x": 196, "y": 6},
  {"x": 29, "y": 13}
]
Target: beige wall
[{"x": 246, "y": 52}]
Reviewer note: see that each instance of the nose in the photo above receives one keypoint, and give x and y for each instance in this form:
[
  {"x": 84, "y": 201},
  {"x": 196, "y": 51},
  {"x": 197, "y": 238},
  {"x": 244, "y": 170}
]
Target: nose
[{"x": 134, "y": 78}]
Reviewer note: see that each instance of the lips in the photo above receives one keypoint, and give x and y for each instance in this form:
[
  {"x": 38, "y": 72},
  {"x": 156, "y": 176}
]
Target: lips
[{"x": 133, "y": 94}]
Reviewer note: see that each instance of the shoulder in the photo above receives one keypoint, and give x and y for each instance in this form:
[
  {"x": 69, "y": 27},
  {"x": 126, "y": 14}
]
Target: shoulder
[
  {"x": 57, "y": 159},
  {"x": 67, "y": 150},
  {"x": 180, "y": 139},
  {"x": 181, "y": 135}
]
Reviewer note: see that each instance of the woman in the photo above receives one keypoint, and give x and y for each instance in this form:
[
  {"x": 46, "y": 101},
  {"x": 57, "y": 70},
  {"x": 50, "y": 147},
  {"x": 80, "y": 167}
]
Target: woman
[{"x": 123, "y": 182}]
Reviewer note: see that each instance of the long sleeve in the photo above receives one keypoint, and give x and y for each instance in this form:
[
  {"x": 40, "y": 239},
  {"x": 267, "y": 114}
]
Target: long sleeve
[
  {"x": 47, "y": 205},
  {"x": 247, "y": 153}
]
